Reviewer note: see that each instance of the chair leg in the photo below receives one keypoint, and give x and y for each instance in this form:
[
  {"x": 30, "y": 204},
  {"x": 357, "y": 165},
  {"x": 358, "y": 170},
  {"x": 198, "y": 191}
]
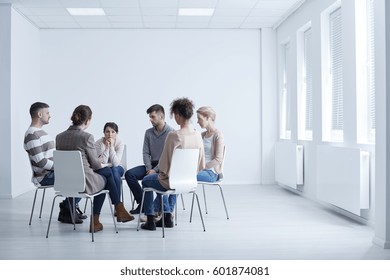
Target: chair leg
[
  {"x": 112, "y": 212},
  {"x": 200, "y": 211},
  {"x": 85, "y": 206},
  {"x": 176, "y": 212},
  {"x": 224, "y": 203},
  {"x": 162, "y": 216},
  {"x": 142, "y": 205},
  {"x": 123, "y": 197},
  {"x": 192, "y": 206},
  {"x": 72, "y": 211},
  {"x": 33, "y": 205},
  {"x": 132, "y": 201},
  {"x": 51, "y": 214},
  {"x": 92, "y": 221},
  {"x": 182, "y": 201},
  {"x": 43, "y": 198},
  {"x": 204, "y": 198}
]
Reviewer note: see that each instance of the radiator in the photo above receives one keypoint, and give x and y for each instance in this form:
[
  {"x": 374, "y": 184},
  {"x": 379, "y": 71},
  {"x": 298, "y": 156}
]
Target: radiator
[
  {"x": 289, "y": 164},
  {"x": 343, "y": 177}
]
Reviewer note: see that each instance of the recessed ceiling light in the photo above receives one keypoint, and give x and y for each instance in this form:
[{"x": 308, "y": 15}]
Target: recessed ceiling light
[
  {"x": 195, "y": 12},
  {"x": 86, "y": 11}
]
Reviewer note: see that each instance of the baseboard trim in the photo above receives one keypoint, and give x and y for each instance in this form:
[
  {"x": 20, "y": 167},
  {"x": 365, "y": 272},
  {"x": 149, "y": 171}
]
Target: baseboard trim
[{"x": 381, "y": 243}]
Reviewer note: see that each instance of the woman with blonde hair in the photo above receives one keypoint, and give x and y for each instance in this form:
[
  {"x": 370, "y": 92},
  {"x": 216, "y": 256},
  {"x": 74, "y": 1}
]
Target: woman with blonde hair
[{"x": 213, "y": 143}]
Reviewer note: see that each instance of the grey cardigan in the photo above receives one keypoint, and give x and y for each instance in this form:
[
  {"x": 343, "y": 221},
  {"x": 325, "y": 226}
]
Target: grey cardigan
[{"x": 75, "y": 139}]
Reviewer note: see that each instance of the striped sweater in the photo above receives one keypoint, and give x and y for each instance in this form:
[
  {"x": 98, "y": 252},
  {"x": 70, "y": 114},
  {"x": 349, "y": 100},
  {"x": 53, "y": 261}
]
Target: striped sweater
[{"x": 39, "y": 146}]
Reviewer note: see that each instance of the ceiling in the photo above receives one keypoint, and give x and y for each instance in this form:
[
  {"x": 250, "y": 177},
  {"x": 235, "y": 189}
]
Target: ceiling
[{"x": 139, "y": 14}]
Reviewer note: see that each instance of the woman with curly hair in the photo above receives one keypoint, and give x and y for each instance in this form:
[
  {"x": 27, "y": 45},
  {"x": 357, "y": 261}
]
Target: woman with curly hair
[{"x": 185, "y": 138}]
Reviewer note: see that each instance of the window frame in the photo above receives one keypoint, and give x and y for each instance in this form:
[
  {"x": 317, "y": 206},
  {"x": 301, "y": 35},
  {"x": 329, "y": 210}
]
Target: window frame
[
  {"x": 331, "y": 115},
  {"x": 365, "y": 71},
  {"x": 285, "y": 91},
  {"x": 305, "y": 88}
]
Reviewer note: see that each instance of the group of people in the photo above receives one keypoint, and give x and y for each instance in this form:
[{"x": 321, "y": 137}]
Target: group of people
[{"x": 102, "y": 160}]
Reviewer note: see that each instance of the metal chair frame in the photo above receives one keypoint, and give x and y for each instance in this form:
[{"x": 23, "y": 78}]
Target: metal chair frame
[
  {"x": 217, "y": 183},
  {"x": 70, "y": 182},
  {"x": 182, "y": 180}
]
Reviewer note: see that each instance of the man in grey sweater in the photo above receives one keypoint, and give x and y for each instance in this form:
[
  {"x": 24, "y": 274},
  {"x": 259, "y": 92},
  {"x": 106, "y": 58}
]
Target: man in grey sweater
[{"x": 154, "y": 140}]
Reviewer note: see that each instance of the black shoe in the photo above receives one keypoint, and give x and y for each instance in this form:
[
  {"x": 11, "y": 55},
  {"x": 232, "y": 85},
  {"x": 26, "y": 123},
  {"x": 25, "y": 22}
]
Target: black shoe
[
  {"x": 168, "y": 221},
  {"x": 80, "y": 213},
  {"x": 150, "y": 224},
  {"x": 136, "y": 210},
  {"x": 65, "y": 217}
]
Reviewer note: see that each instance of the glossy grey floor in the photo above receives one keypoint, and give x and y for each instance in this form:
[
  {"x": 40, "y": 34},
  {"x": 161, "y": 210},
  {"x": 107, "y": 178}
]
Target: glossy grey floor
[{"x": 267, "y": 222}]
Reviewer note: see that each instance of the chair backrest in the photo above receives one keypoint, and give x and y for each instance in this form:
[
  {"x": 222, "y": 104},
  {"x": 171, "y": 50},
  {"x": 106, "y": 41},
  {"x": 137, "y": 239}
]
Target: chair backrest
[
  {"x": 69, "y": 172},
  {"x": 221, "y": 175},
  {"x": 223, "y": 159},
  {"x": 183, "y": 171},
  {"x": 124, "y": 158}
]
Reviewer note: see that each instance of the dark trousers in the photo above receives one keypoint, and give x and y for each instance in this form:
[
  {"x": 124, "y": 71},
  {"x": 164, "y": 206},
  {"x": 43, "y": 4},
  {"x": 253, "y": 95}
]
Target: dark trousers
[
  {"x": 132, "y": 176},
  {"x": 111, "y": 186}
]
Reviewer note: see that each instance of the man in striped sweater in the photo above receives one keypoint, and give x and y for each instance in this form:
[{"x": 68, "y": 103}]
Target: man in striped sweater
[{"x": 40, "y": 146}]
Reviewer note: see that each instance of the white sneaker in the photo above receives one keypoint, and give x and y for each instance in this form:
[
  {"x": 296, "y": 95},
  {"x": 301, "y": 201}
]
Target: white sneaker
[{"x": 143, "y": 218}]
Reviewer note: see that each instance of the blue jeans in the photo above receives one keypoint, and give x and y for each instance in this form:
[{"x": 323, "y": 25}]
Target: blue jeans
[
  {"x": 49, "y": 180},
  {"x": 169, "y": 202},
  {"x": 207, "y": 175},
  {"x": 110, "y": 185},
  {"x": 117, "y": 172},
  {"x": 132, "y": 176}
]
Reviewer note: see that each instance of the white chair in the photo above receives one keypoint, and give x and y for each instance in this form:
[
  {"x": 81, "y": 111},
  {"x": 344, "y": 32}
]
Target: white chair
[
  {"x": 217, "y": 183},
  {"x": 70, "y": 182},
  {"x": 124, "y": 165},
  {"x": 182, "y": 180},
  {"x": 38, "y": 187}
]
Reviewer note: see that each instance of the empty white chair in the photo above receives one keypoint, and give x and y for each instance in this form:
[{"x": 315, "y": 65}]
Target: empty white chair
[
  {"x": 70, "y": 182},
  {"x": 182, "y": 180}
]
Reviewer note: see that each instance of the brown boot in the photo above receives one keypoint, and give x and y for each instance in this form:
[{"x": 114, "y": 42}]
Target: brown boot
[
  {"x": 97, "y": 226},
  {"x": 122, "y": 215}
]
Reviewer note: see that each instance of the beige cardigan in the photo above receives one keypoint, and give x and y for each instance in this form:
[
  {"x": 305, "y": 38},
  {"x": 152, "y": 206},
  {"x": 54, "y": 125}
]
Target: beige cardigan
[
  {"x": 216, "y": 151},
  {"x": 179, "y": 140}
]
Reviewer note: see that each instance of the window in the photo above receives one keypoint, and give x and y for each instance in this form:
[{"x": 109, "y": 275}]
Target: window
[
  {"x": 305, "y": 85},
  {"x": 333, "y": 111},
  {"x": 365, "y": 71},
  {"x": 285, "y": 97}
]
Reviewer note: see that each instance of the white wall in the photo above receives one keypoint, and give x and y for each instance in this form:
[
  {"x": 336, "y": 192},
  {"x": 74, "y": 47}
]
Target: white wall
[
  {"x": 311, "y": 11},
  {"x": 5, "y": 94},
  {"x": 19, "y": 87},
  {"x": 382, "y": 62},
  {"x": 25, "y": 84},
  {"x": 269, "y": 126},
  {"x": 120, "y": 73}
]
